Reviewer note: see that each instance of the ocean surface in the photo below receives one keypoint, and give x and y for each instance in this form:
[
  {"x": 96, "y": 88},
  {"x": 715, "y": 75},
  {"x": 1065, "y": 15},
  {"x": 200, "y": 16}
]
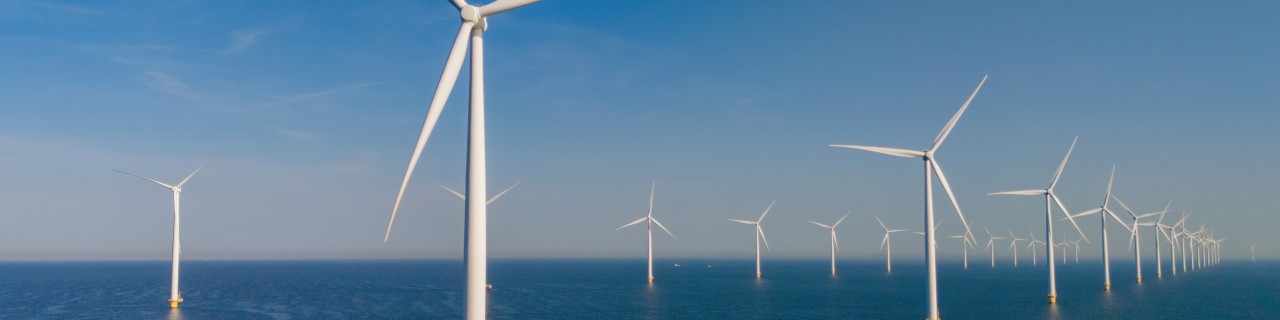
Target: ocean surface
[{"x": 616, "y": 289}]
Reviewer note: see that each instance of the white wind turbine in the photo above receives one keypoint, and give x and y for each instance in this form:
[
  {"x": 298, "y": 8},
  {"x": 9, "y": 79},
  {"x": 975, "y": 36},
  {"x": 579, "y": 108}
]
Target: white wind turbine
[
  {"x": 1076, "y": 245},
  {"x": 175, "y": 296},
  {"x": 1106, "y": 251},
  {"x": 835, "y": 244},
  {"x": 759, "y": 234},
  {"x": 1013, "y": 242},
  {"x": 1133, "y": 233},
  {"x": 931, "y": 167},
  {"x": 648, "y": 217},
  {"x": 887, "y": 245},
  {"x": 1032, "y": 246},
  {"x": 991, "y": 244},
  {"x": 474, "y": 23},
  {"x": 1252, "y": 256},
  {"x": 964, "y": 245},
  {"x": 1155, "y": 239},
  {"x": 1049, "y": 199}
]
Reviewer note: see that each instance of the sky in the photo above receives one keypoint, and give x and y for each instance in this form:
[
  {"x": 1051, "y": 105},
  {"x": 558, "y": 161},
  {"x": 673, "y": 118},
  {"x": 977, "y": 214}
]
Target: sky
[{"x": 306, "y": 113}]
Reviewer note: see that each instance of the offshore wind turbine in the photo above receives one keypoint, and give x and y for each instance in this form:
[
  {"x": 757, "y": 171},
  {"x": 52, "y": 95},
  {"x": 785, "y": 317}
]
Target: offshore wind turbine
[
  {"x": 991, "y": 244},
  {"x": 476, "y": 250},
  {"x": 650, "y": 221},
  {"x": 1049, "y": 199},
  {"x": 175, "y": 296},
  {"x": 1013, "y": 241},
  {"x": 887, "y": 245},
  {"x": 1032, "y": 246},
  {"x": 835, "y": 244},
  {"x": 931, "y": 167},
  {"x": 1106, "y": 211},
  {"x": 964, "y": 245},
  {"x": 1134, "y": 237},
  {"x": 1252, "y": 256},
  {"x": 759, "y": 234}
]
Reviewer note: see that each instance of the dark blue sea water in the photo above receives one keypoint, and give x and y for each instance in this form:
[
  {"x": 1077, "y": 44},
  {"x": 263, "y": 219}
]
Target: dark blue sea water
[{"x": 616, "y": 289}]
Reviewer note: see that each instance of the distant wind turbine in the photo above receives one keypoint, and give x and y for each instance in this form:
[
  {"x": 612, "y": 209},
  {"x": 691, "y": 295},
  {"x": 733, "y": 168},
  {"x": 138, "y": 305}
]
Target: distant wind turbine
[
  {"x": 759, "y": 234},
  {"x": 1252, "y": 256},
  {"x": 491, "y": 200},
  {"x": 1013, "y": 245},
  {"x": 835, "y": 243},
  {"x": 991, "y": 244},
  {"x": 887, "y": 245},
  {"x": 1106, "y": 253},
  {"x": 1049, "y": 199},
  {"x": 175, "y": 296},
  {"x": 931, "y": 167},
  {"x": 648, "y": 217},
  {"x": 1033, "y": 245},
  {"x": 1134, "y": 236}
]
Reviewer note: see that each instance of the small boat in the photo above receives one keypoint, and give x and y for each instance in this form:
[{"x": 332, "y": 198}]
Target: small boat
[{"x": 677, "y": 265}]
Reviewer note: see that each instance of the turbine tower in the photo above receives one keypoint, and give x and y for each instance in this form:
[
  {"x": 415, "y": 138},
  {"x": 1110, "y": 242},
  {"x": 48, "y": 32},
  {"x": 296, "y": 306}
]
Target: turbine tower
[
  {"x": 835, "y": 244},
  {"x": 759, "y": 234},
  {"x": 991, "y": 244},
  {"x": 1134, "y": 236},
  {"x": 1013, "y": 242},
  {"x": 1049, "y": 199},
  {"x": 476, "y": 249},
  {"x": 175, "y": 296},
  {"x": 930, "y": 167},
  {"x": 649, "y": 228}
]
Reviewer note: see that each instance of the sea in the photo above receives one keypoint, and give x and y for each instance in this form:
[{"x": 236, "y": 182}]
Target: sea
[{"x": 617, "y": 289}]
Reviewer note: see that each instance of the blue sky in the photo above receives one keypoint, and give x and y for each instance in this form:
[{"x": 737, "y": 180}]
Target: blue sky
[{"x": 313, "y": 109}]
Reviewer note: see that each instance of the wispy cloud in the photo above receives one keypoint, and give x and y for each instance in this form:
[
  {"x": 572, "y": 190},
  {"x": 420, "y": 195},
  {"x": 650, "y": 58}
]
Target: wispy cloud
[
  {"x": 300, "y": 97},
  {"x": 243, "y": 39},
  {"x": 164, "y": 83}
]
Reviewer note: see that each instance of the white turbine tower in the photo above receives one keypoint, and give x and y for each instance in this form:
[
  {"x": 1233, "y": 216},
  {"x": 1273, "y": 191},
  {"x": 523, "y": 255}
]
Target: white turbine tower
[
  {"x": 1049, "y": 199},
  {"x": 930, "y": 167},
  {"x": 887, "y": 245},
  {"x": 835, "y": 244},
  {"x": 1106, "y": 251},
  {"x": 1033, "y": 245},
  {"x": 175, "y": 296},
  {"x": 759, "y": 234},
  {"x": 648, "y": 217},
  {"x": 1252, "y": 257},
  {"x": 476, "y": 250}
]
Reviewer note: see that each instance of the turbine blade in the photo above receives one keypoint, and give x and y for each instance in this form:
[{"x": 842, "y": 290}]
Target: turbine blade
[
  {"x": 946, "y": 186},
  {"x": 664, "y": 228},
  {"x": 846, "y": 215},
  {"x": 162, "y": 184},
  {"x": 455, "y": 193},
  {"x": 1117, "y": 218},
  {"x": 1038, "y": 192},
  {"x": 1086, "y": 213},
  {"x": 632, "y": 223},
  {"x": 501, "y": 6},
  {"x": 820, "y": 225},
  {"x": 835, "y": 240},
  {"x": 1058, "y": 174},
  {"x": 743, "y": 221},
  {"x": 499, "y": 195},
  {"x": 886, "y": 229},
  {"x": 760, "y": 231},
  {"x": 458, "y": 3},
  {"x": 1069, "y": 218},
  {"x": 1126, "y": 208},
  {"x": 946, "y": 130},
  {"x": 1109, "y": 181},
  {"x": 193, "y": 173},
  {"x": 889, "y": 151},
  {"x": 898, "y": 230},
  {"x": 652, "y": 187},
  {"x": 766, "y": 211},
  {"x": 885, "y": 240},
  {"x": 452, "y": 66}
]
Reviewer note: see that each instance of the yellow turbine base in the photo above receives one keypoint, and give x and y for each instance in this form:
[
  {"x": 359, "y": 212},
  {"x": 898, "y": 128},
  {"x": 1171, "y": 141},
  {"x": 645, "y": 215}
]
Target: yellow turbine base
[
  {"x": 1053, "y": 299},
  {"x": 1108, "y": 286},
  {"x": 650, "y": 279},
  {"x": 173, "y": 304},
  {"x": 757, "y": 276},
  {"x": 1139, "y": 279}
]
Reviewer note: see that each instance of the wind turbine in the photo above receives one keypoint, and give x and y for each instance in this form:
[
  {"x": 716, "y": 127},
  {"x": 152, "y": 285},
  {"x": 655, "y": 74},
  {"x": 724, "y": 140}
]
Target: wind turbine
[
  {"x": 930, "y": 167},
  {"x": 887, "y": 245},
  {"x": 835, "y": 244},
  {"x": 1134, "y": 237},
  {"x": 491, "y": 200},
  {"x": 964, "y": 245},
  {"x": 759, "y": 235},
  {"x": 1155, "y": 239},
  {"x": 1076, "y": 245},
  {"x": 1032, "y": 246},
  {"x": 474, "y": 23},
  {"x": 1106, "y": 251},
  {"x": 1252, "y": 256},
  {"x": 648, "y": 217},
  {"x": 991, "y": 244},
  {"x": 175, "y": 296},
  {"x": 1050, "y": 197},
  {"x": 1013, "y": 246}
]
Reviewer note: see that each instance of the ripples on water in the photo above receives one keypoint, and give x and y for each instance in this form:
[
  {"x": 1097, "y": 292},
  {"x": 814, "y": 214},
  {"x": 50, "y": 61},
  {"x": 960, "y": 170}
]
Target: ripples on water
[{"x": 616, "y": 289}]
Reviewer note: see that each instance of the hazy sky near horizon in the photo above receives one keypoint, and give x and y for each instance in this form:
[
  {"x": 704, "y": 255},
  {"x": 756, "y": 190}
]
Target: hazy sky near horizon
[{"x": 313, "y": 109}]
